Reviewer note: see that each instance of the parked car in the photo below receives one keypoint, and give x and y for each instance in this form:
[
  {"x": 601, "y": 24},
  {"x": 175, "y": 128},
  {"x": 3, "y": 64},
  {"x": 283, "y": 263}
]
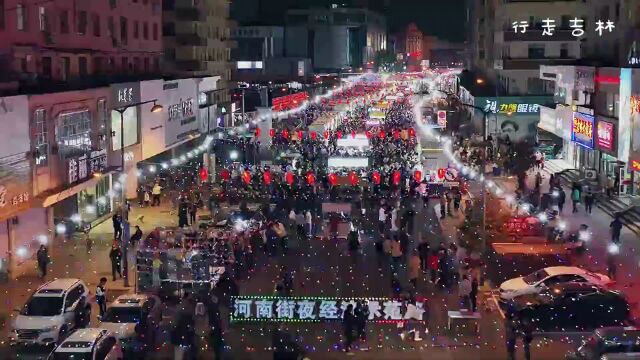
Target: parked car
[
  {"x": 134, "y": 320},
  {"x": 549, "y": 276},
  {"x": 89, "y": 344},
  {"x": 610, "y": 343},
  {"x": 53, "y": 311},
  {"x": 572, "y": 306}
]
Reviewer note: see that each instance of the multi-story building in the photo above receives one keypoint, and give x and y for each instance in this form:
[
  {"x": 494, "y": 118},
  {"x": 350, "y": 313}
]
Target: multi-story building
[
  {"x": 260, "y": 55},
  {"x": 513, "y": 40},
  {"x": 335, "y": 38},
  {"x": 77, "y": 44},
  {"x": 408, "y": 45},
  {"x": 196, "y": 41}
]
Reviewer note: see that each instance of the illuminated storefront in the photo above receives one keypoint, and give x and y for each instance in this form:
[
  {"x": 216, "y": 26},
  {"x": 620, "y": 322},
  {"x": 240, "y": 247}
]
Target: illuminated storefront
[{"x": 583, "y": 135}]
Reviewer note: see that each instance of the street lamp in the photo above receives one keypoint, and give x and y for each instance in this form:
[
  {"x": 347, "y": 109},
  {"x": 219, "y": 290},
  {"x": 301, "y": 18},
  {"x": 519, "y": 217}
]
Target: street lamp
[
  {"x": 479, "y": 81},
  {"x": 124, "y": 242}
]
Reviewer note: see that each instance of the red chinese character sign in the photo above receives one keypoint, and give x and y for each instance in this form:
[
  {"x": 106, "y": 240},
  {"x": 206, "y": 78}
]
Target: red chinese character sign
[
  {"x": 582, "y": 129},
  {"x": 605, "y": 135}
]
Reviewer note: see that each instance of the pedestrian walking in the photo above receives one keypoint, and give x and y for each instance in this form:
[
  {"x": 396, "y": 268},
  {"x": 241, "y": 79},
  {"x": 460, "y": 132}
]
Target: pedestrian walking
[
  {"x": 561, "y": 198},
  {"x": 414, "y": 269},
  {"x": 42, "y": 257},
  {"x": 589, "y": 199},
  {"x": 309, "y": 219},
  {"x": 443, "y": 206},
  {"x": 616, "y": 228},
  {"x": 147, "y": 198},
  {"x": 116, "y": 220},
  {"x": 116, "y": 258},
  {"x": 101, "y": 297},
  {"x": 396, "y": 256},
  {"x": 526, "y": 328},
  {"x": 575, "y": 199},
  {"x": 473, "y": 295},
  {"x": 300, "y": 222},
  {"x": 433, "y": 265},
  {"x": 382, "y": 219},
  {"x": 193, "y": 213},
  {"x": 349, "y": 326},
  {"x": 464, "y": 292},
  {"x": 457, "y": 198},
  {"x": 156, "y": 191},
  {"x": 361, "y": 313},
  {"x": 424, "y": 251}
]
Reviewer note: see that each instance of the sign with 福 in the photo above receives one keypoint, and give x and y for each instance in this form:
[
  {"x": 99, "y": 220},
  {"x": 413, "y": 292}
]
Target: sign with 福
[{"x": 319, "y": 309}]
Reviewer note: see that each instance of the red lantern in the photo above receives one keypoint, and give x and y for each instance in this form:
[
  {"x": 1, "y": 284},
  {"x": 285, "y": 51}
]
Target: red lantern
[
  {"x": 225, "y": 174},
  {"x": 368, "y": 133},
  {"x": 353, "y": 178},
  {"x": 311, "y": 179},
  {"x": 289, "y": 178},
  {"x": 314, "y": 135},
  {"x": 396, "y": 134},
  {"x": 417, "y": 175},
  {"x": 204, "y": 174},
  {"x": 396, "y": 177},
  {"x": 326, "y": 135},
  {"x": 266, "y": 175},
  {"x": 333, "y": 179},
  {"x": 300, "y": 134},
  {"x": 376, "y": 178},
  {"x": 246, "y": 177},
  {"x": 381, "y": 134},
  {"x": 441, "y": 173},
  {"x": 258, "y": 132},
  {"x": 272, "y": 132},
  {"x": 339, "y": 134},
  {"x": 285, "y": 133},
  {"x": 353, "y": 134},
  {"x": 412, "y": 132}
]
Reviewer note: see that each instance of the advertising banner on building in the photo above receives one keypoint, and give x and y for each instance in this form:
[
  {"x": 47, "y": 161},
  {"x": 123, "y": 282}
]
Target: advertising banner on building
[
  {"x": 582, "y": 129},
  {"x": 605, "y": 136},
  {"x": 510, "y": 117},
  {"x": 319, "y": 309},
  {"x": 180, "y": 110},
  {"x": 15, "y": 168}
]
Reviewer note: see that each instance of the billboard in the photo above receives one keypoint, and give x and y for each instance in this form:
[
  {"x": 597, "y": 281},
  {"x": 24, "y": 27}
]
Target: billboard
[
  {"x": 180, "y": 110},
  {"x": 582, "y": 129},
  {"x": 605, "y": 135}
]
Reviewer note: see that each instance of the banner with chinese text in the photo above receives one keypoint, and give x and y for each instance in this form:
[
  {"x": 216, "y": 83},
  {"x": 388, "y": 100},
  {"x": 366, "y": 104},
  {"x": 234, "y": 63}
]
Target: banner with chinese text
[{"x": 319, "y": 309}]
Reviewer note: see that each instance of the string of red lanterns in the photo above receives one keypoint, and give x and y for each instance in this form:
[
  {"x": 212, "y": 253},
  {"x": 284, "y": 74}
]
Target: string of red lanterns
[{"x": 310, "y": 177}]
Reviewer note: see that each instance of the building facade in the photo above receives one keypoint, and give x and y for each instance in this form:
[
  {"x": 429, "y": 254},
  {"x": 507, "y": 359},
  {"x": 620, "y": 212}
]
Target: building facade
[
  {"x": 335, "y": 39},
  {"x": 77, "y": 44}
]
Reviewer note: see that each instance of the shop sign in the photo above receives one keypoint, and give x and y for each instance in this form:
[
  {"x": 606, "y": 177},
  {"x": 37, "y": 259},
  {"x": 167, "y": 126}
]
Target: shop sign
[
  {"x": 80, "y": 168},
  {"x": 318, "y": 309},
  {"x": 442, "y": 119},
  {"x": 509, "y": 108},
  {"x": 182, "y": 110},
  {"x": 635, "y": 104},
  {"x": 605, "y": 135},
  {"x": 125, "y": 94},
  {"x": 635, "y": 165},
  {"x": 582, "y": 129}
]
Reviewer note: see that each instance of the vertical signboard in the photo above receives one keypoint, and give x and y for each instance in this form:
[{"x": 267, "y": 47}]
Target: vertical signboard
[
  {"x": 582, "y": 129},
  {"x": 605, "y": 136}
]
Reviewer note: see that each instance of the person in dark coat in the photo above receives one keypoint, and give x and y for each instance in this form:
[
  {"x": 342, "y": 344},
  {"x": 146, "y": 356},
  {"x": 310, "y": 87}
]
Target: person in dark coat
[
  {"x": 423, "y": 251},
  {"x": 115, "y": 255},
  {"x": 42, "y": 257},
  {"x": 473, "y": 295},
  {"x": 349, "y": 326},
  {"x": 616, "y": 228},
  {"x": 182, "y": 214},
  {"x": 116, "y": 219},
  {"x": 136, "y": 237},
  {"x": 562, "y": 197},
  {"x": 361, "y": 314},
  {"x": 510, "y": 335}
]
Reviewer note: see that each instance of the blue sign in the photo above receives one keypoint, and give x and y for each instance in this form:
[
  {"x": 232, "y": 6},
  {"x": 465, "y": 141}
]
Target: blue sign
[{"x": 582, "y": 129}]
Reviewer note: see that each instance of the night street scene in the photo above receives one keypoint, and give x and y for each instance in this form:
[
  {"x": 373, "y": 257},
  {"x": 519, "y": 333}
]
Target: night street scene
[{"x": 319, "y": 179}]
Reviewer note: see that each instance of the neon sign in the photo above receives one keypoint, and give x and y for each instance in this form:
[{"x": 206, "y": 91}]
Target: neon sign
[
  {"x": 605, "y": 135},
  {"x": 582, "y": 129}
]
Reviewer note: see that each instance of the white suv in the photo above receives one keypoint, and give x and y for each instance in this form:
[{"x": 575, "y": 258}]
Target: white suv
[
  {"x": 89, "y": 344},
  {"x": 51, "y": 313}
]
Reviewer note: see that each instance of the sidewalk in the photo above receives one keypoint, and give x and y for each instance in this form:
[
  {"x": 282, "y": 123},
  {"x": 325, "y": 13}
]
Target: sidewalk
[
  {"x": 595, "y": 258},
  {"x": 69, "y": 258}
]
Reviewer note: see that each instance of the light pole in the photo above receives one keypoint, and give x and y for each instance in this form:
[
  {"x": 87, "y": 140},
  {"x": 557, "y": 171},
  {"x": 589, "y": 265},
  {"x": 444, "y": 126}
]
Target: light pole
[{"x": 124, "y": 209}]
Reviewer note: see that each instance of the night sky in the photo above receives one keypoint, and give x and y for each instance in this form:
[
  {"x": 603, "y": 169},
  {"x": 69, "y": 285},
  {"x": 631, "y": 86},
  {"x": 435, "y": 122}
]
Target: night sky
[{"x": 442, "y": 18}]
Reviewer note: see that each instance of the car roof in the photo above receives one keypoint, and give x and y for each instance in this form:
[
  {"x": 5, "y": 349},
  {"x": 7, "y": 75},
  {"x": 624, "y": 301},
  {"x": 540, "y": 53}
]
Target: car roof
[
  {"x": 560, "y": 270},
  {"x": 130, "y": 300},
  {"x": 82, "y": 340},
  {"x": 56, "y": 287}
]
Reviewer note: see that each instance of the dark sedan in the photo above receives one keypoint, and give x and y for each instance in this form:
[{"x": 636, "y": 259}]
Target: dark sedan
[{"x": 572, "y": 307}]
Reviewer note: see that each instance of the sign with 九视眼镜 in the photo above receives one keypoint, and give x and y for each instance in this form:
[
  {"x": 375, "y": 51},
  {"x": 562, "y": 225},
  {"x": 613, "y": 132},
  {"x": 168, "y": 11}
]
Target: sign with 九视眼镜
[{"x": 320, "y": 309}]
